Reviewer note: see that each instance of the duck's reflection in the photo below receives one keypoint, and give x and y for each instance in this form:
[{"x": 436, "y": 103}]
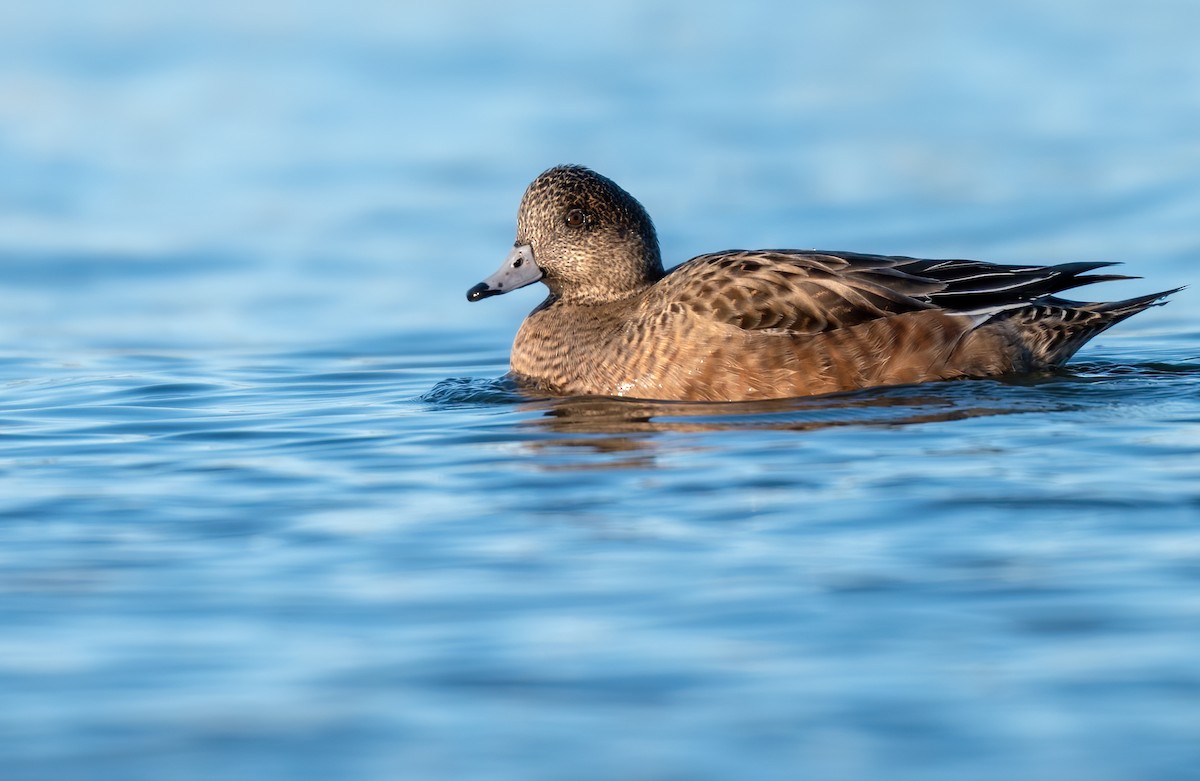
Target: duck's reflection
[{"x": 609, "y": 425}]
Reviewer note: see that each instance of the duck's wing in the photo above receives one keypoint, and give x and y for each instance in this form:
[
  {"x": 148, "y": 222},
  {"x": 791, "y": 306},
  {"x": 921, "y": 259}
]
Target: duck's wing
[
  {"x": 972, "y": 285},
  {"x": 809, "y": 292}
]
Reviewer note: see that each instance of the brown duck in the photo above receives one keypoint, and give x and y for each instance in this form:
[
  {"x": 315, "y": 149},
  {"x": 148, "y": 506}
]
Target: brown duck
[{"x": 761, "y": 324}]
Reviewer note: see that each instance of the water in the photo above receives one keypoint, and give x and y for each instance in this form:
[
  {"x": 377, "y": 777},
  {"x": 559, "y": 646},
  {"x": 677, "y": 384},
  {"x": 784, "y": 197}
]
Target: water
[{"x": 269, "y": 510}]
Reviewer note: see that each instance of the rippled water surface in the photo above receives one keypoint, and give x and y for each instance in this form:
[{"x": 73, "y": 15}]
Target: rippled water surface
[{"x": 269, "y": 509}]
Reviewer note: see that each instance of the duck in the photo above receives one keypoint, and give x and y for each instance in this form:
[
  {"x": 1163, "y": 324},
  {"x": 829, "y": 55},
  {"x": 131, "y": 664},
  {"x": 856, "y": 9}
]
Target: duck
[{"x": 749, "y": 325}]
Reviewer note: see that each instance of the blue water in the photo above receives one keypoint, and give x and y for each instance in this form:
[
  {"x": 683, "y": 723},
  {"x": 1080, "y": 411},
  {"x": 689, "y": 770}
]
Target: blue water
[{"x": 269, "y": 510}]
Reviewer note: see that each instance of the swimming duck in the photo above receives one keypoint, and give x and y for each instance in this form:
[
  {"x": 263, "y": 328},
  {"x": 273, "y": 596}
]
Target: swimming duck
[{"x": 744, "y": 325}]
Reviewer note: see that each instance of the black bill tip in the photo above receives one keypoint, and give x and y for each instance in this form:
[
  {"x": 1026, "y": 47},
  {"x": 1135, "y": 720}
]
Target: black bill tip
[{"x": 482, "y": 291}]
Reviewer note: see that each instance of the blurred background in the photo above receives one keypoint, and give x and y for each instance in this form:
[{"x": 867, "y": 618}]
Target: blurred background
[
  {"x": 232, "y": 174},
  {"x": 254, "y": 522}
]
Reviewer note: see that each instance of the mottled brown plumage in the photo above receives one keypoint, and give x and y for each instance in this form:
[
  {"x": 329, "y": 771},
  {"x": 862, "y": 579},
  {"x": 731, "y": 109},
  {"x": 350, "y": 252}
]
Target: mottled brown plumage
[{"x": 760, "y": 324}]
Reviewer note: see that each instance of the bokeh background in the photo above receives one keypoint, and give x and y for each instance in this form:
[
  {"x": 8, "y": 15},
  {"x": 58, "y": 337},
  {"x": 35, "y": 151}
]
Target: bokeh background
[
  {"x": 254, "y": 522},
  {"x": 304, "y": 171}
]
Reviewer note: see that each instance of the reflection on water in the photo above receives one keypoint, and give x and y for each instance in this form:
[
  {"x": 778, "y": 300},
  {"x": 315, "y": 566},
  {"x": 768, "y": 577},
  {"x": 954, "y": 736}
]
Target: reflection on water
[
  {"x": 924, "y": 404},
  {"x": 632, "y": 426},
  {"x": 605, "y": 424},
  {"x": 612, "y": 425}
]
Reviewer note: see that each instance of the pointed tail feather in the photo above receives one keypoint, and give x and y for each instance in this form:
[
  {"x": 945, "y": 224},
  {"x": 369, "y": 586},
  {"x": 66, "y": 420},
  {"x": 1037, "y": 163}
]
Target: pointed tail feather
[
  {"x": 1053, "y": 329},
  {"x": 1120, "y": 310}
]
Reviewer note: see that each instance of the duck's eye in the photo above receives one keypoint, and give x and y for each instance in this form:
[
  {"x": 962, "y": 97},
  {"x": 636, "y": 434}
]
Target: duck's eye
[{"x": 576, "y": 218}]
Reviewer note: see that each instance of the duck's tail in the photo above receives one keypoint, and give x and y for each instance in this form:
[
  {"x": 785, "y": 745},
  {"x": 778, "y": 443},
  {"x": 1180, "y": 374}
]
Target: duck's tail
[{"x": 1052, "y": 329}]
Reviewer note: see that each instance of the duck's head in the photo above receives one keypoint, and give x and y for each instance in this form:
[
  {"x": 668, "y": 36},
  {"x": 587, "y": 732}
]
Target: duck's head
[{"x": 588, "y": 240}]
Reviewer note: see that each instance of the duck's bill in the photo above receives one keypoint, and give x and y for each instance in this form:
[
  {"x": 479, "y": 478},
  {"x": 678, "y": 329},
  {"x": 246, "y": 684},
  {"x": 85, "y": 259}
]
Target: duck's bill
[{"x": 518, "y": 270}]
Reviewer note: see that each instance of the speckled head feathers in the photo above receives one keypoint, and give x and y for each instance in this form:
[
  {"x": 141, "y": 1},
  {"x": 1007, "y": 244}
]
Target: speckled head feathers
[{"x": 592, "y": 240}]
